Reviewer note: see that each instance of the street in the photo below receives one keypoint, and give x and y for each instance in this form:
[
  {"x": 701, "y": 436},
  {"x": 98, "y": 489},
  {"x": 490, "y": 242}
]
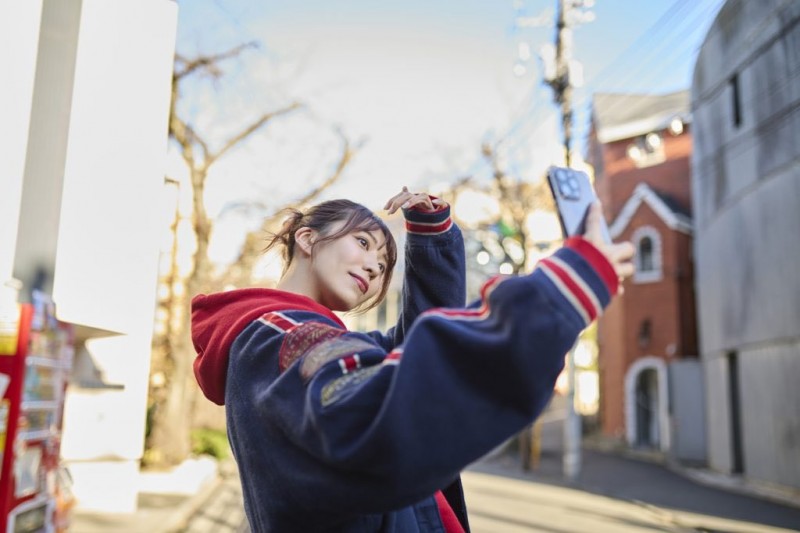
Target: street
[
  {"x": 613, "y": 494},
  {"x": 499, "y": 504}
]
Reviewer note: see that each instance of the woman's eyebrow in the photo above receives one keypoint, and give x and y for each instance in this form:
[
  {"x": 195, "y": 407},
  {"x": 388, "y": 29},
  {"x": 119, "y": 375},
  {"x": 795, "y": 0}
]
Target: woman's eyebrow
[
  {"x": 371, "y": 236},
  {"x": 382, "y": 247},
  {"x": 374, "y": 240}
]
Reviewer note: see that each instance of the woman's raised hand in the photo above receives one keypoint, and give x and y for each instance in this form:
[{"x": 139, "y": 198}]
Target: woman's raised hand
[
  {"x": 619, "y": 254},
  {"x": 405, "y": 199}
]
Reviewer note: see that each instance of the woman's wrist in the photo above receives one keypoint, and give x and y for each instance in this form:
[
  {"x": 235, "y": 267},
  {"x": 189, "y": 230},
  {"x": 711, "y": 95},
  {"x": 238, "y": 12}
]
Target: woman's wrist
[{"x": 426, "y": 222}]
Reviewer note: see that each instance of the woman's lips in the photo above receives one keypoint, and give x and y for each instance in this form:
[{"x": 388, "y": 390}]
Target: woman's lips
[{"x": 362, "y": 284}]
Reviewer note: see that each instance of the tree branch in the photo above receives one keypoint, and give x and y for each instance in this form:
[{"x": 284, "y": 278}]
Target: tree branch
[
  {"x": 208, "y": 63},
  {"x": 249, "y": 130},
  {"x": 347, "y": 155}
]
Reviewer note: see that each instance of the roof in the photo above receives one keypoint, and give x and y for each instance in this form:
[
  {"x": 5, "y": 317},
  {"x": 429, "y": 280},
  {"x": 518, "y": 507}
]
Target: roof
[
  {"x": 624, "y": 115},
  {"x": 674, "y": 217}
]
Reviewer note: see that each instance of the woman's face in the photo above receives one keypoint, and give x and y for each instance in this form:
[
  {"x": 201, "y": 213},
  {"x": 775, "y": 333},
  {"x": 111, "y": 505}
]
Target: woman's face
[{"x": 349, "y": 270}]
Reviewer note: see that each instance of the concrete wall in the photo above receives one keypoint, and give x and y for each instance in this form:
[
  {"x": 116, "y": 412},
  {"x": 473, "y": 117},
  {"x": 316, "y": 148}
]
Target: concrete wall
[
  {"x": 746, "y": 191},
  {"x": 688, "y": 417}
]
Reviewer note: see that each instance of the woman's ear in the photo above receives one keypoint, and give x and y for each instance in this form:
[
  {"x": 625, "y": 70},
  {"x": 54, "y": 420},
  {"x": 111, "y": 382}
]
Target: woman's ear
[{"x": 304, "y": 240}]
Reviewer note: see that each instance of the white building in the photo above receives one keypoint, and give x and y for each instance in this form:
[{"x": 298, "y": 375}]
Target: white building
[{"x": 84, "y": 106}]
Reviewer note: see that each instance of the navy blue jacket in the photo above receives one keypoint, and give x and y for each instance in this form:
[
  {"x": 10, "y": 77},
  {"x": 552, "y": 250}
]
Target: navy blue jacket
[{"x": 353, "y": 432}]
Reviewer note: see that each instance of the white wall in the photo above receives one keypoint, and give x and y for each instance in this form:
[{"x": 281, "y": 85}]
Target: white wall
[
  {"x": 90, "y": 180},
  {"x": 107, "y": 254},
  {"x": 106, "y": 265},
  {"x": 46, "y": 147},
  {"x": 19, "y": 39}
]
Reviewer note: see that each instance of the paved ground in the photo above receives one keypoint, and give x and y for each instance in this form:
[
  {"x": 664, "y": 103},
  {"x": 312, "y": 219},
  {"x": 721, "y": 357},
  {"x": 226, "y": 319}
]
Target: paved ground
[
  {"x": 610, "y": 487},
  {"x": 222, "y": 513},
  {"x": 613, "y": 494}
]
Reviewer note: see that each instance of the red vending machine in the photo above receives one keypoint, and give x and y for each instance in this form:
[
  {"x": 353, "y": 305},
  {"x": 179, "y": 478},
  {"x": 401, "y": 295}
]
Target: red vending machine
[{"x": 33, "y": 379}]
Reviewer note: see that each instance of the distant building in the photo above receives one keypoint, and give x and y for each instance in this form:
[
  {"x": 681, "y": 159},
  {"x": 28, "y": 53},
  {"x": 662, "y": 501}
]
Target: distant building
[
  {"x": 650, "y": 379},
  {"x": 746, "y": 188}
]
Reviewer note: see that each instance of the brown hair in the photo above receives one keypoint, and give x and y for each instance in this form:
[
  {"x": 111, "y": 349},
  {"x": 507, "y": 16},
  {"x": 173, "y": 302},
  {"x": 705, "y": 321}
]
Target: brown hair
[{"x": 320, "y": 218}]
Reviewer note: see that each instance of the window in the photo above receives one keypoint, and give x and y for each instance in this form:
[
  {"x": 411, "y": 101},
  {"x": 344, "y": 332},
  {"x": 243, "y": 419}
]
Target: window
[
  {"x": 736, "y": 100},
  {"x": 645, "y": 333},
  {"x": 648, "y": 255},
  {"x": 647, "y": 150}
]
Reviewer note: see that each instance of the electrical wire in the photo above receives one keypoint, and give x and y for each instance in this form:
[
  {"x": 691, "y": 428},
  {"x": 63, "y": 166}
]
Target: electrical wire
[
  {"x": 672, "y": 41},
  {"x": 663, "y": 22}
]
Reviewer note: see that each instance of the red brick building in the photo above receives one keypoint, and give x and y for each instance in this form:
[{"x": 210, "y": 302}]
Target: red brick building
[{"x": 640, "y": 147}]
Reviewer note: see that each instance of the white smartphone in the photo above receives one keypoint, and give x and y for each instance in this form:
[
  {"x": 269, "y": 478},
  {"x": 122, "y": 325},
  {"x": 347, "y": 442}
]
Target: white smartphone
[{"x": 573, "y": 194}]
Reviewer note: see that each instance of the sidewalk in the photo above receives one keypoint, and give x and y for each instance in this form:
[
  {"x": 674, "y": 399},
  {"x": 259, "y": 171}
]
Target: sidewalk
[
  {"x": 677, "y": 498},
  {"x": 704, "y": 476},
  {"x": 167, "y": 502}
]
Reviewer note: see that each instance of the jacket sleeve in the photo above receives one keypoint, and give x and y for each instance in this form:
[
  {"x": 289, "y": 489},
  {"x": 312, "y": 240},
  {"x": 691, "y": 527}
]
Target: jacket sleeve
[
  {"x": 434, "y": 275},
  {"x": 391, "y": 429}
]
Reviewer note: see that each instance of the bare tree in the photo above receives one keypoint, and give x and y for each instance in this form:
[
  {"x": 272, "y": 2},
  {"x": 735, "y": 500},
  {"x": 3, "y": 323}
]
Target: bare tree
[
  {"x": 516, "y": 198},
  {"x": 173, "y": 394}
]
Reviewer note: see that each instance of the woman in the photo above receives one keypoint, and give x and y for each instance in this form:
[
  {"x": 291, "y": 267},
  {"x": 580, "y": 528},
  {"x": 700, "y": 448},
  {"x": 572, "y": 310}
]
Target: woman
[{"x": 343, "y": 431}]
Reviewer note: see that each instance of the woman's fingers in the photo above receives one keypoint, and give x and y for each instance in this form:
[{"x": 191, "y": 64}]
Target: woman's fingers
[
  {"x": 619, "y": 254},
  {"x": 405, "y": 199},
  {"x": 397, "y": 200},
  {"x": 420, "y": 200},
  {"x": 594, "y": 221}
]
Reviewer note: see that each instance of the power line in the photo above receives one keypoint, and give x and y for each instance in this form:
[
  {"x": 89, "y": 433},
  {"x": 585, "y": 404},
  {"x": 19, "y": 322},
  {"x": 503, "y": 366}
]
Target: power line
[
  {"x": 673, "y": 40},
  {"x": 668, "y": 54}
]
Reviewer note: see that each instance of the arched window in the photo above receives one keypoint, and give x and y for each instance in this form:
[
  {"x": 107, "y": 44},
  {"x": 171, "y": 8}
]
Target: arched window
[
  {"x": 645, "y": 255},
  {"x": 648, "y": 255}
]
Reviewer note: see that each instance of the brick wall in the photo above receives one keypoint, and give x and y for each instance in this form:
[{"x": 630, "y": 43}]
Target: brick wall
[
  {"x": 668, "y": 304},
  {"x": 618, "y": 175}
]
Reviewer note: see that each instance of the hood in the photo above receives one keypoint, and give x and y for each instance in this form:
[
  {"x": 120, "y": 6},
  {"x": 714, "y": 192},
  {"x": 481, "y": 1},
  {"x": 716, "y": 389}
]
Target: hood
[{"x": 217, "y": 319}]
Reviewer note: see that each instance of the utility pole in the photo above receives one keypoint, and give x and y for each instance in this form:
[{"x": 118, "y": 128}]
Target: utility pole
[
  {"x": 562, "y": 85},
  {"x": 559, "y": 75}
]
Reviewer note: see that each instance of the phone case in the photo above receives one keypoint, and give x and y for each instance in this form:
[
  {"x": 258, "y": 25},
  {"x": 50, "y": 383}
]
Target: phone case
[{"x": 573, "y": 194}]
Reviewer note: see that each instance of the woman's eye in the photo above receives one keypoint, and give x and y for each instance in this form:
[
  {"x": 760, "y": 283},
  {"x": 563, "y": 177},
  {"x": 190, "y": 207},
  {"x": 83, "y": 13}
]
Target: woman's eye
[
  {"x": 363, "y": 242},
  {"x": 382, "y": 267}
]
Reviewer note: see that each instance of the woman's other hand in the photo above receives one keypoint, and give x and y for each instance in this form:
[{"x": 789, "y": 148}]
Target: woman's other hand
[{"x": 405, "y": 200}]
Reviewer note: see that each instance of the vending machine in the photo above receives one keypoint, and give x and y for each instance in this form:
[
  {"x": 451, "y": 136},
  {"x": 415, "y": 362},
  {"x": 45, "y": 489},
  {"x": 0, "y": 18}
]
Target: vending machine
[{"x": 34, "y": 371}]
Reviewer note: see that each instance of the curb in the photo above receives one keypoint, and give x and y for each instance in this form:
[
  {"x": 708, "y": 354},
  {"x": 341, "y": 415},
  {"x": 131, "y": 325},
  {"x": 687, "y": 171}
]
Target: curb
[
  {"x": 776, "y": 494},
  {"x": 736, "y": 484}
]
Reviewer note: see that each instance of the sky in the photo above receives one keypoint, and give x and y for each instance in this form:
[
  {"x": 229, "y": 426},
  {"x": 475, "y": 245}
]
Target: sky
[{"x": 416, "y": 85}]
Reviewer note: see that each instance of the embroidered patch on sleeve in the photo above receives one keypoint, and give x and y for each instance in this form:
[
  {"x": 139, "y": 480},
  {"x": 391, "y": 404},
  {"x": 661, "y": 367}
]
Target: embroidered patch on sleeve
[
  {"x": 344, "y": 348},
  {"x": 301, "y": 338},
  {"x": 337, "y": 389}
]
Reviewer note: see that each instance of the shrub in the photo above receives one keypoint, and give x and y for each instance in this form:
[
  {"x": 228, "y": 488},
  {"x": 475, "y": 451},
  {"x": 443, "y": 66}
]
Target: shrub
[{"x": 211, "y": 442}]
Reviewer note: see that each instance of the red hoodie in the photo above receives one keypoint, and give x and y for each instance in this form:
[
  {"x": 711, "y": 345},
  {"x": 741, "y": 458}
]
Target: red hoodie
[{"x": 217, "y": 319}]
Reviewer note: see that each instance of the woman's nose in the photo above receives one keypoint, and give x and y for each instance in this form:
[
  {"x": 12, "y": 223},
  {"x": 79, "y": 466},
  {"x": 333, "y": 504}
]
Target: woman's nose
[{"x": 371, "y": 266}]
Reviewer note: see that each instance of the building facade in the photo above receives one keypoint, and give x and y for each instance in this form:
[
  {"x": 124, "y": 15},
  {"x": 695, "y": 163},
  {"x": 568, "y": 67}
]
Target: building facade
[
  {"x": 746, "y": 189},
  {"x": 640, "y": 147}
]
